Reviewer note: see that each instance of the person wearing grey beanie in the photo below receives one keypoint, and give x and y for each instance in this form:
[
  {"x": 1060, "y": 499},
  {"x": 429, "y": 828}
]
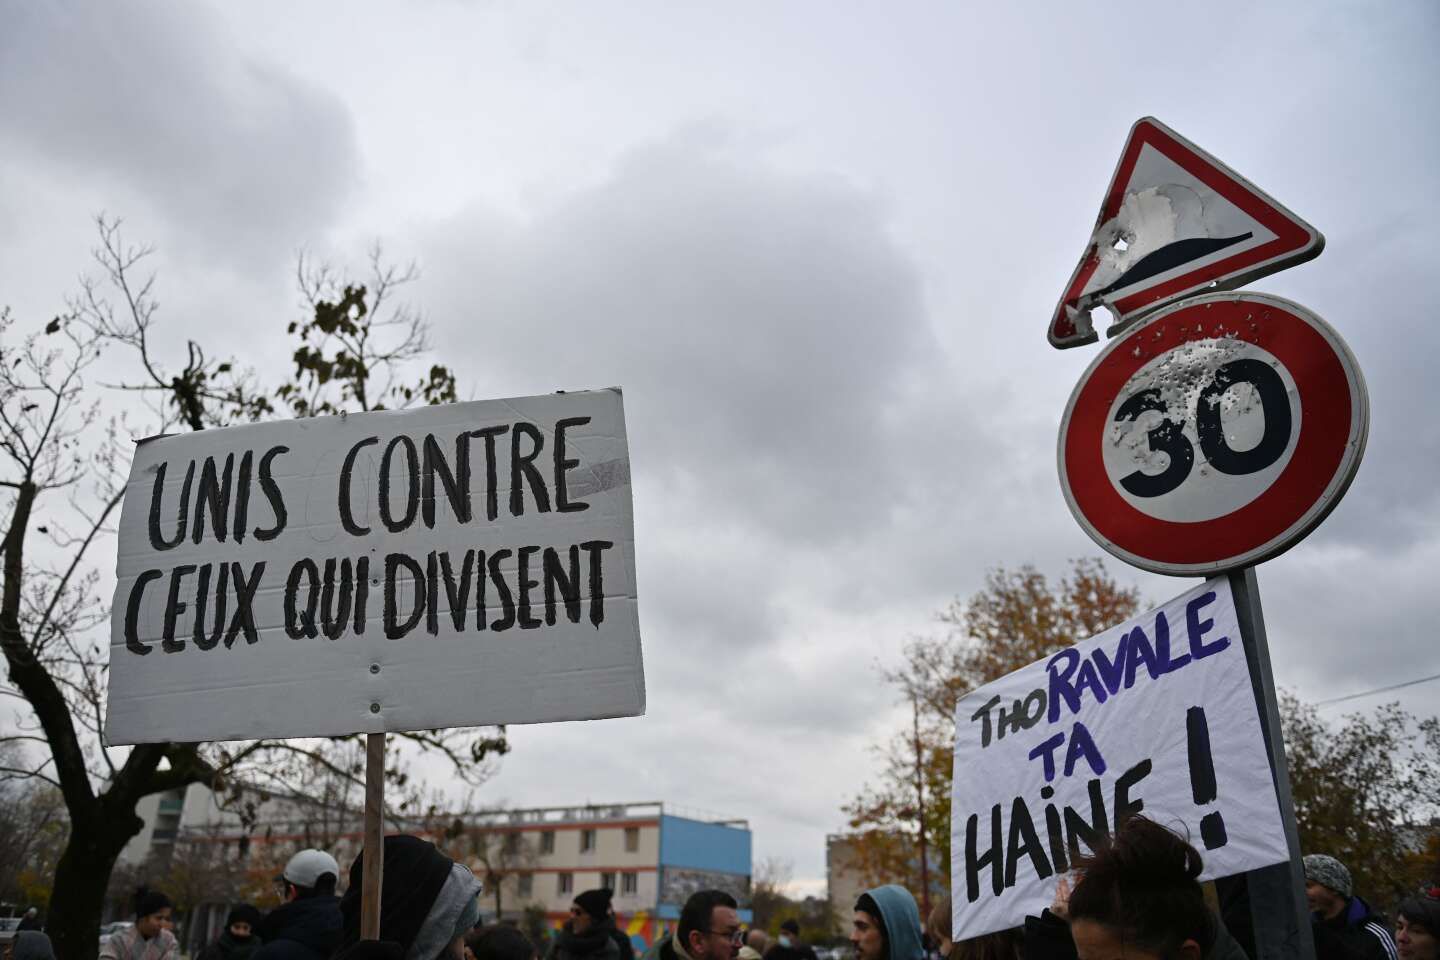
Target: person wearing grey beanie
[{"x": 1344, "y": 926}]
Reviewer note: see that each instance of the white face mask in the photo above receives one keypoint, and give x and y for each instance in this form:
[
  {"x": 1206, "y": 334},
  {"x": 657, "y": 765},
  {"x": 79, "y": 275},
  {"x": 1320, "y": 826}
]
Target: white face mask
[{"x": 785, "y": 940}]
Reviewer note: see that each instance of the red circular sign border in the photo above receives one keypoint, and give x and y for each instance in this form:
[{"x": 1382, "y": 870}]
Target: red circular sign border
[{"x": 1331, "y": 391}]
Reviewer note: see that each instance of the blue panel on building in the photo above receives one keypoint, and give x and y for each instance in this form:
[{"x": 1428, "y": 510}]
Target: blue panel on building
[{"x": 704, "y": 846}]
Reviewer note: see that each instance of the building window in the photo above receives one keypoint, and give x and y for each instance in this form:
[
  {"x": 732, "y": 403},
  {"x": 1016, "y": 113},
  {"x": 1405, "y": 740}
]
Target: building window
[
  {"x": 629, "y": 883},
  {"x": 632, "y": 839},
  {"x": 607, "y": 881},
  {"x": 564, "y": 882},
  {"x": 547, "y": 841},
  {"x": 512, "y": 843},
  {"x": 526, "y": 884},
  {"x": 587, "y": 841}
]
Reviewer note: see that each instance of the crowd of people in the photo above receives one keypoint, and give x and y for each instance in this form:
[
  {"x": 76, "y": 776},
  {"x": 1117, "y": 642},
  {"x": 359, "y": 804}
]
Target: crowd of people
[{"x": 1137, "y": 896}]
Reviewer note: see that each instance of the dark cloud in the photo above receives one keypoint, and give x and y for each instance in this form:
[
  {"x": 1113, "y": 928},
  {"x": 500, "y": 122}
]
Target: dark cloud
[
  {"x": 153, "y": 104},
  {"x": 766, "y": 330}
]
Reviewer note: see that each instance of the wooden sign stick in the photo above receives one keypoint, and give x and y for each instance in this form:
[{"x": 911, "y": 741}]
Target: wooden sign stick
[{"x": 374, "y": 836}]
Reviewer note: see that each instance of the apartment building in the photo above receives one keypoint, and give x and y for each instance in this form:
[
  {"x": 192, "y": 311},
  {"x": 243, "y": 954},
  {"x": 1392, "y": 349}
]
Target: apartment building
[
  {"x": 652, "y": 855},
  {"x": 844, "y": 878}
]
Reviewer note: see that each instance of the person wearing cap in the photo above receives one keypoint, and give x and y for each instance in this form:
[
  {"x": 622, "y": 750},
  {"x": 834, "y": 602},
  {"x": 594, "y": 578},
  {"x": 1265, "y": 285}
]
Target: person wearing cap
[
  {"x": 238, "y": 940},
  {"x": 1417, "y": 926},
  {"x": 150, "y": 938},
  {"x": 886, "y": 925},
  {"x": 788, "y": 945},
  {"x": 307, "y": 925},
  {"x": 587, "y": 934},
  {"x": 1344, "y": 926}
]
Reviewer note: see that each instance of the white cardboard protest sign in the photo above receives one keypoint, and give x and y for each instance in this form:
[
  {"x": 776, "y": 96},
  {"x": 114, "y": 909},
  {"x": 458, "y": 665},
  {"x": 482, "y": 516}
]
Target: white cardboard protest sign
[
  {"x": 446, "y": 566},
  {"x": 1156, "y": 716}
]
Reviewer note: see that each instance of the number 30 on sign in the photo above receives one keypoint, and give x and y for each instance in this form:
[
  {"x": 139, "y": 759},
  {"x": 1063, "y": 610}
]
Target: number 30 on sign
[{"x": 1214, "y": 435}]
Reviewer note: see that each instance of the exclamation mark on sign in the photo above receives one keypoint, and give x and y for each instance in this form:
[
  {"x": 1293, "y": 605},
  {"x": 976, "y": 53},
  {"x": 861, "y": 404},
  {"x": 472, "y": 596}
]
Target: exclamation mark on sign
[{"x": 1202, "y": 777}]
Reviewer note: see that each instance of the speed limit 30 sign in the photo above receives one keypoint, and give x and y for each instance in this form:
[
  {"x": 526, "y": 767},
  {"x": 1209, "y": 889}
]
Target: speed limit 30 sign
[{"x": 1214, "y": 435}]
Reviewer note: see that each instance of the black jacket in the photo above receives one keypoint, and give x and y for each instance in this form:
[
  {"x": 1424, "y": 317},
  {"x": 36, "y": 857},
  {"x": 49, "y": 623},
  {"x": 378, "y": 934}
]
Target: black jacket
[
  {"x": 796, "y": 951},
  {"x": 595, "y": 944},
  {"x": 226, "y": 947},
  {"x": 622, "y": 942},
  {"x": 300, "y": 930},
  {"x": 1356, "y": 933}
]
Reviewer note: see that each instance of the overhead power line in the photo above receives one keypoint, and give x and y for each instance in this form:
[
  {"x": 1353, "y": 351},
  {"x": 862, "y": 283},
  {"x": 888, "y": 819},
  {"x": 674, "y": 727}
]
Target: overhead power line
[{"x": 1368, "y": 693}]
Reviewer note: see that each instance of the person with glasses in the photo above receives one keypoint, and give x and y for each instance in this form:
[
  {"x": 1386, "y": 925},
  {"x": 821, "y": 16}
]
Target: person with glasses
[
  {"x": 307, "y": 925},
  {"x": 587, "y": 935},
  {"x": 709, "y": 929}
]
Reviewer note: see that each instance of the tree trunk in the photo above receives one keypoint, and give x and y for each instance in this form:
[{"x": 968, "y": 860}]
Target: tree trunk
[{"x": 78, "y": 896}]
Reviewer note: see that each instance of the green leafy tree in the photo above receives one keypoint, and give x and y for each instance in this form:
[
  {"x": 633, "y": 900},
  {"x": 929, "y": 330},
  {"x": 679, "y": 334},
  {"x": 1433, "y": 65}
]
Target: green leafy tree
[{"x": 1365, "y": 793}]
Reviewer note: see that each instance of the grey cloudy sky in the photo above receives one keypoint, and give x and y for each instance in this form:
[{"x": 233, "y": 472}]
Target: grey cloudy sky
[{"x": 818, "y": 245}]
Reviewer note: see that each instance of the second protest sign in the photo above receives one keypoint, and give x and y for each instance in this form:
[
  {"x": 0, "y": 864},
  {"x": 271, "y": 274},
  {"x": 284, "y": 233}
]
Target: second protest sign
[
  {"x": 1155, "y": 716},
  {"x": 447, "y": 566}
]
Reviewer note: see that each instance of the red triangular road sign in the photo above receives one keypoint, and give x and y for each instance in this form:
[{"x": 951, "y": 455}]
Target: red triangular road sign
[{"x": 1175, "y": 221}]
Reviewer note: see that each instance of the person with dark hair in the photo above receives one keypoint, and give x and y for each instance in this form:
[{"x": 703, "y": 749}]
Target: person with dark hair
[
  {"x": 1002, "y": 945},
  {"x": 498, "y": 942},
  {"x": 1138, "y": 895},
  {"x": 307, "y": 925},
  {"x": 31, "y": 945},
  {"x": 238, "y": 940},
  {"x": 587, "y": 935},
  {"x": 886, "y": 925},
  {"x": 788, "y": 945},
  {"x": 428, "y": 903},
  {"x": 1417, "y": 926},
  {"x": 709, "y": 929},
  {"x": 1344, "y": 926},
  {"x": 150, "y": 938}
]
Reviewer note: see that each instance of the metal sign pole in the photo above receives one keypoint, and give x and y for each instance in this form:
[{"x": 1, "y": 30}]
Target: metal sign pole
[
  {"x": 1278, "y": 908},
  {"x": 374, "y": 836}
]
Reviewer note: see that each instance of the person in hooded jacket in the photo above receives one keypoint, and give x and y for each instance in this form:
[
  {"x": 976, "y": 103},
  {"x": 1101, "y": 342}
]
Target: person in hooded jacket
[
  {"x": 238, "y": 940},
  {"x": 1139, "y": 896},
  {"x": 1344, "y": 926},
  {"x": 588, "y": 934},
  {"x": 428, "y": 903},
  {"x": 307, "y": 925},
  {"x": 886, "y": 925}
]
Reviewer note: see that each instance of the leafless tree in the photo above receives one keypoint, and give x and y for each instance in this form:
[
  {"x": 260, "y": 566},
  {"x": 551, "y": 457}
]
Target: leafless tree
[{"x": 63, "y": 467}]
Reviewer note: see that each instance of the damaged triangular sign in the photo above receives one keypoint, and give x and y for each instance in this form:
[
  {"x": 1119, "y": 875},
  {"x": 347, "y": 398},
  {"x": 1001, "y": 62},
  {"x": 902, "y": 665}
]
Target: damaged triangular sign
[{"x": 1175, "y": 221}]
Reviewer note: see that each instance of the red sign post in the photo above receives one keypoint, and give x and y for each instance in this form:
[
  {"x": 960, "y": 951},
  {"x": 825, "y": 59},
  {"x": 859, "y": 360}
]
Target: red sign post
[{"x": 1218, "y": 429}]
